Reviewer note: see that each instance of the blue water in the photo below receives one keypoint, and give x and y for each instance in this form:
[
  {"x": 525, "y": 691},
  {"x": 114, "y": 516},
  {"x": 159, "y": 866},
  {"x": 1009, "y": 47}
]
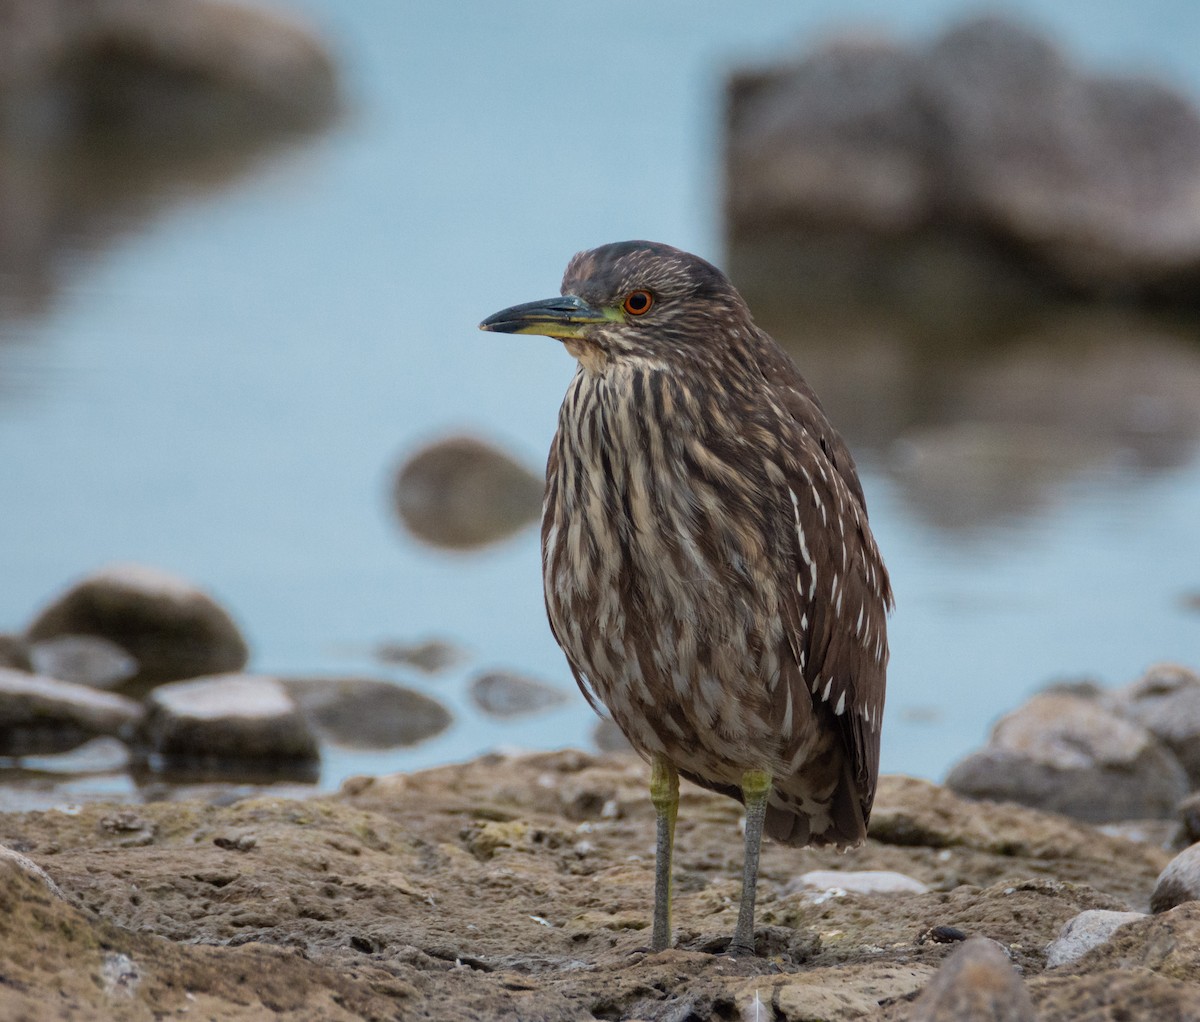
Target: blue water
[{"x": 224, "y": 391}]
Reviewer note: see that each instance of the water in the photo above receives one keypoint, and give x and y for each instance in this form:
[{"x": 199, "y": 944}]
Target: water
[{"x": 223, "y": 387}]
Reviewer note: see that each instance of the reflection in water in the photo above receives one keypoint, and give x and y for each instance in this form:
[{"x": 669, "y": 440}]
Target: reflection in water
[
  {"x": 109, "y": 112},
  {"x": 981, "y": 398}
]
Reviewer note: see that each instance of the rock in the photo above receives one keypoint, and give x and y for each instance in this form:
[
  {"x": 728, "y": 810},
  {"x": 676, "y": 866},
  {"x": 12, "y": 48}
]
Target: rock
[
  {"x": 989, "y": 133},
  {"x": 197, "y": 62},
  {"x": 502, "y": 694},
  {"x": 361, "y": 713},
  {"x": 608, "y": 737},
  {"x": 977, "y": 982},
  {"x": 462, "y": 493},
  {"x": 83, "y": 659},
  {"x": 1166, "y": 701},
  {"x": 1087, "y": 930},
  {"x": 103, "y": 755},
  {"x": 172, "y": 629},
  {"x": 1189, "y": 815},
  {"x": 432, "y": 656},
  {"x": 868, "y": 881},
  {"x": 1072, "y": 756},
  {"x": 39, "y": 715},
  {"x": 14, "y": 652},
  {"x": 225, "y": 722},
  {"x": 1179, "y": 882}
]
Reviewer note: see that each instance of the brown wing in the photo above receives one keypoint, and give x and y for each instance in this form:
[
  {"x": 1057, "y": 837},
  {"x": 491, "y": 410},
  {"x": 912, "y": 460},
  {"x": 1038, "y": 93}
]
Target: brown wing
[{"x": 839, "y": 594}]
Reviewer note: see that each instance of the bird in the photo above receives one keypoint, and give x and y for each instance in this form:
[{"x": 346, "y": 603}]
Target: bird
[{"x": 708, "y": 567}]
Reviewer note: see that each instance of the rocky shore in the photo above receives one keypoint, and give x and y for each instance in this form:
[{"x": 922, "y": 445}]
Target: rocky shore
[{"x": 518, "y": 888}]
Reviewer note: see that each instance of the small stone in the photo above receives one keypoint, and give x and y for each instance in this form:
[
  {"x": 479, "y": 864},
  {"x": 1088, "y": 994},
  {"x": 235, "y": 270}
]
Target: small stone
[
  {"x": 227, "y": 720},
  {"x": 1179, "y": 882},
  {"x": 1087, "y": 930},
  {"x": 103, "y": 755},
  {"x": 363, "y": 713},
  {"x": 44, "y": 715},
  {"x": 1073, "y": 756},
  {"x": 866, "y": 881},
  {"x": 173, "y": 629},
  {"x": 607, "y": 737},
  {"x": 431, "y": 656},
  {"x": 462, "y": 493},
  {"x": 977, "y": 982},
  {"x": 83, "y": 659},
  {"x": 502, "y": 694},
  {"x": 942, "y": 934},
  {"x": 1166, "y": 701},
  {"x": 1189, "y": 816}
]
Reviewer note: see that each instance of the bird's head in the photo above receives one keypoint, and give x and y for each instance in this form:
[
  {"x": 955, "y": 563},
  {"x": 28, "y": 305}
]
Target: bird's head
[{"x": 634, "y": 300}]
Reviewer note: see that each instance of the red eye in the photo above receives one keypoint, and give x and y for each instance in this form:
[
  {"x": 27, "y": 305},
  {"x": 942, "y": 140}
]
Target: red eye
[{"x": 637, "y": 303}]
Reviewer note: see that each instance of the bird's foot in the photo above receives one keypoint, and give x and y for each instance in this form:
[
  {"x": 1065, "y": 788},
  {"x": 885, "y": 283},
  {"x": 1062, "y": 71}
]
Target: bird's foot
[{"x": 738, "y": 950}]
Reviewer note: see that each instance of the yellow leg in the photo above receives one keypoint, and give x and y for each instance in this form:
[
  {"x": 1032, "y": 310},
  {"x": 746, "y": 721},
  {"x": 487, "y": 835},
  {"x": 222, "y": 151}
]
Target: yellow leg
[
  {"x": 756, "y": 786},
  {"x": 664, "y": 793}
]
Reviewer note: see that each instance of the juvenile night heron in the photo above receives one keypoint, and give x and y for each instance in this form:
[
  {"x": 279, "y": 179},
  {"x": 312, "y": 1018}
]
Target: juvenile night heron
[{"x": 708, "y": 567}]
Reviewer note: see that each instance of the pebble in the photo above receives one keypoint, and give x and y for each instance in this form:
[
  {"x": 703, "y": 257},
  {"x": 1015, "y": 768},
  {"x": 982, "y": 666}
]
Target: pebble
[
  {"x": 1087, "y": 930},
  {"x": 503, "y": 694},
  {"x": 365, "y": 713},
  {"x": 1179, "y": 882},
  {"x": 1166, "y": 701},
  {"x": 84, "y": 659},
  {"x": 866, "y": 881},
  {"x": 978, "y": 983}
]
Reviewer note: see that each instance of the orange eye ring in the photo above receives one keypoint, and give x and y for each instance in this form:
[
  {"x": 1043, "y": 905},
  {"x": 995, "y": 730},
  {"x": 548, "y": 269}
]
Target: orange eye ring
[{"x": 638, "y": 303}]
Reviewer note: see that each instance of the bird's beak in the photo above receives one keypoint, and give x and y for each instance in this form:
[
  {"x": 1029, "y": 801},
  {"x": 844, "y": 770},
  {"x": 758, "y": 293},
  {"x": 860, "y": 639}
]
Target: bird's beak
[{"x": 564, "y": 317}]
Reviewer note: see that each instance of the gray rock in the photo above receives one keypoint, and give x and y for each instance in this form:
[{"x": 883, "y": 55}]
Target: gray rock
[
  {"x": 14, "y": 652},
  {"x": 1179, "y": 882},
  {"x": 173, "y": 629},
  {"x": 462, "y": 493},
  {"x": 989, "y": 131},
  {"x": 976, "y": 982},
  {"x": 1166, "y": 701},
  {"x": 194, "y": 61},
  {"x": 864, "y": 881},
  {"x": 103, "y": 755},
  {"x": 431, "y": 656},
  {"x": 84, "y": 659},
  {"x": 1189, "y": 818},
  {"x": 1072, "y": 756},
  {"x": 44, "y": 715},
  {"x": 1087, "y": 930},
  {"x": 607, "y": 737},
  {"x": 229, "y": 719},
  {"x": 362, "y": 713},
  {"x": 501, "y": 694}
]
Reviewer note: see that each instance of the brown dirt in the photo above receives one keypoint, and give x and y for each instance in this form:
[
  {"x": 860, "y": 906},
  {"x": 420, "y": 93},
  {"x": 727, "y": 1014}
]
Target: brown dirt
[{"x": 520, "y": 888}]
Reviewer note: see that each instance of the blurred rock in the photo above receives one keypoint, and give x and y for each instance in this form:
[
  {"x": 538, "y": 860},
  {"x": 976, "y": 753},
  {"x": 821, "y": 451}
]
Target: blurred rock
[
  {"x": 462, "y": 493},
  {"x": 607, "y": 737},
  {"x": 1166, "y": 701},
  {"x": 110, "y": 111},
  {"x": 225, "y": 723},
  {"x": 1087, "y": 930},
  {"x": 502, "y": 694},
  {"x": 431, "y": 656},
  {"x": 84, "y": 659},
  {"x": 976, "y": 982},
  {"x": 1072, "y": 756},
  {"x": 1179, "y": 882},
  {"x": 361, "y": 713},
  {"x": 14, "y": 652},
  {"x": 173, "y": 629},
  {"x": 1189, "y": 816},
  {"x": 169, "y": 68},
  {"x": 103, "y": 755},
  {"x": 44, "y": 715},
  {"x": 988, "y": 138}
]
